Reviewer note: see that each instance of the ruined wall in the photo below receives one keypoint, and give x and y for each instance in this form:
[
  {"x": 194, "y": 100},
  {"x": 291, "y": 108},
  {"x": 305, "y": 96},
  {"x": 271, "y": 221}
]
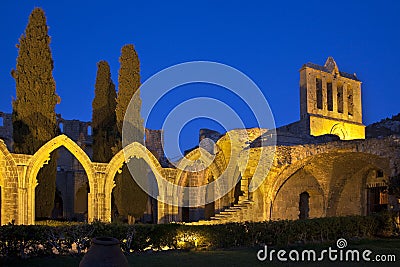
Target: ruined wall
[
  {"x": 286, "y": 204},
  {"x": 153, "y": 142}
]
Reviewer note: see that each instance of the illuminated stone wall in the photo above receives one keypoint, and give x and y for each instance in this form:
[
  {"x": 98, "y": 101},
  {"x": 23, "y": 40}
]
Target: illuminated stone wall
[{"x": 336, "y": 175}]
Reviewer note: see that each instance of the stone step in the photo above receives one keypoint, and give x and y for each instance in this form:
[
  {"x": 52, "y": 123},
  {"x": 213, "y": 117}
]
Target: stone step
[
  {"x": 235, "y": 207},
  {"x": 233, "y": 210},
  {"x": 226, "y": 213}
]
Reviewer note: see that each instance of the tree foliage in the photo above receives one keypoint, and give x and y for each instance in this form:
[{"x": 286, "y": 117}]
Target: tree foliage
[
  {"x": 34, "y": 117},
  {"x": 103, "y": 114},
  {"x": 129, "y": 198},
  {"x": 128, "y": 85}
]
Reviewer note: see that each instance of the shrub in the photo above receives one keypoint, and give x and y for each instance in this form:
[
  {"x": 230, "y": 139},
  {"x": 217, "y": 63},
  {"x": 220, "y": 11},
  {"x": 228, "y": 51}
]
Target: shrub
[{"x": 66, "y": 239}]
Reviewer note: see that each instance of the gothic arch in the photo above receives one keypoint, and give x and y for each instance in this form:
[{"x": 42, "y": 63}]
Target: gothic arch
[
  {"x": 136, "y": 150},
  {"x": 133, "y": 150},
  {"x": 43, "y": 155},
  {"x": 302, "y": 155},
  {"x": 337, "y": 157},
  {"x": 286, "y": 199},
  {"x": 288, "y": 171},
  {"x": 205, "y": 157}
]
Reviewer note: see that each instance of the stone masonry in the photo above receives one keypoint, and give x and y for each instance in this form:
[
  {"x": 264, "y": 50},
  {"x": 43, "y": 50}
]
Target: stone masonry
[{"x": 321, "y": 166}]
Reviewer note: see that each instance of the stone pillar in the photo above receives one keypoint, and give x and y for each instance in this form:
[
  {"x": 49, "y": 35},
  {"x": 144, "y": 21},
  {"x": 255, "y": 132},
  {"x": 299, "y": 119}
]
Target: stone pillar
[
  {"x": 345, "y": 101},
  {"x": 98, "y": 209},
  {"x": 96, "y": 199},
  {"x": 160, "y": 210},
  {"x": 244, "y": 187},
  {"x": 334, "y": 95},
  {"x": 267, "y": 209},
  {"x": 91, "y": 207},
  {"x": 166, "y": 213},
  {"x": 26, "y": 197},
  {"x": 107, "y": 207},
  {"x": 324, "y": 95},
  {"x": 311, "y": 93}
]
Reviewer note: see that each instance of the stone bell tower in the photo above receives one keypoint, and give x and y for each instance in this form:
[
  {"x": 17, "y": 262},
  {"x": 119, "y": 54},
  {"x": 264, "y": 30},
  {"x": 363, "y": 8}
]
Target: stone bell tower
[{"x": 330, "y": 101}]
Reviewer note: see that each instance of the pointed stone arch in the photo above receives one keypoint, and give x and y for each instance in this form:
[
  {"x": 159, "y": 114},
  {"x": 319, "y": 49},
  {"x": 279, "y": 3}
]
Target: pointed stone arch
[
  {"x": 133, "y": 150},
  {"x": 285, "y": 204},
  {"x": 136, "y": 150},
  {"x": 202, "y": 155},
  {"x": 42, "y": 156},
  {"x": 365, "y": 156}
]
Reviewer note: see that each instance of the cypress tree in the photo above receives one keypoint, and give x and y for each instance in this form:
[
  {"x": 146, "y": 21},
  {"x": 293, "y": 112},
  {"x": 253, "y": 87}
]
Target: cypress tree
[
  {"x": 34, "y": 117},
  {"x": 129, "y": 198},
  {"x": 103, "y": 114}
]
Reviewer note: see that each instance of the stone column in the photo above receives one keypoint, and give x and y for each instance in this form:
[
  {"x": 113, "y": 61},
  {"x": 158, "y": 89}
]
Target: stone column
[
  {"x": 324, "y": 95},
  {"x": 267, "y": 209},
  {"x": 244, "y": 187},
  {"x": 107, "y": 207},
  {"x": 26, "y": 197},
  {"x": 345, "y": 101},
  {"x": 98, "y": 209},
  {"x": 334, "y": 95},
  {"x": 311, "y": 93},
  {"x": 160, "y": 210},
  {"x": 96, "y": 199}
]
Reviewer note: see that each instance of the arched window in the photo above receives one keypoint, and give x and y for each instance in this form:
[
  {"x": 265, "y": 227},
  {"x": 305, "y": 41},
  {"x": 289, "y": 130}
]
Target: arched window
[
  {"x": 61, "y": 126},
  {"x": 89, "y": 130}
]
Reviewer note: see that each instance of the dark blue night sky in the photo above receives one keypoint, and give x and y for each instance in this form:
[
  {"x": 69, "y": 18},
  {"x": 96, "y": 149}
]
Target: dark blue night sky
[{"x": 267, "y": 40}]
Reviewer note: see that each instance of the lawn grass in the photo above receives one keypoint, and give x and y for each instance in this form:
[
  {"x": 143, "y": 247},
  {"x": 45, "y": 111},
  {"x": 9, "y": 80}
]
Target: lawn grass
[{"x": 230, "y": 257}]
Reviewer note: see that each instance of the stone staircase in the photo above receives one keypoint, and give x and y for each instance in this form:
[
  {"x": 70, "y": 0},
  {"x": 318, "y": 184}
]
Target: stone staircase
[{"x": 237, "y": 213}]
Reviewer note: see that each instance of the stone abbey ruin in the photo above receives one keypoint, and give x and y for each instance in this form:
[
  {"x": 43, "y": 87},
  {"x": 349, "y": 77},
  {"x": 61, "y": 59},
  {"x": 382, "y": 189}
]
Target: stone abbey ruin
[{"x": 326, "y": 164}]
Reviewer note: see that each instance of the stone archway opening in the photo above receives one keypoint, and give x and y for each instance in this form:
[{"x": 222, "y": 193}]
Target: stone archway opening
[
  {"x": 71, "y": 188},
  {"x": 58, "y": 209},
  {"x": 81, "y": 202},
  {"x": 304, "y": 206},
  {"x": 377, "y": 199},
  {"x": 130, "y": 202},
  {"x": 193, "y": 177},
  {"x": 187, "y": 211},
  {"x": 238, "y": 191},
  {"x": 152, "y": 171},
  {"x": 338, "y": 184},
  {"x": 74, "y": 155},
  {"x": 209, "y": 208},
  {"x": 299, "y": 197}
]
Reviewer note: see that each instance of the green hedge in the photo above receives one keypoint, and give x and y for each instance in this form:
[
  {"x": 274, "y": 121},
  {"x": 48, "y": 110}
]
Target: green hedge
[{"x": 40, "y": 240}]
